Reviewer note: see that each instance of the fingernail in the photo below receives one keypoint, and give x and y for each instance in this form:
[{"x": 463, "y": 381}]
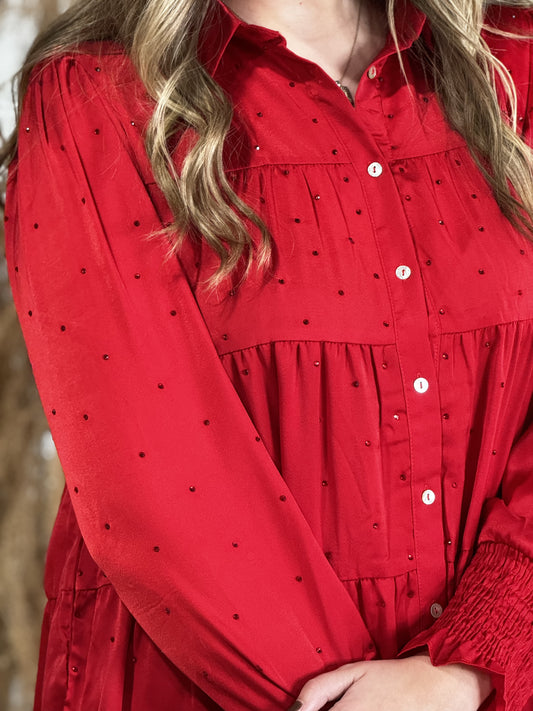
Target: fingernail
[{"x": 296, "y": 706}]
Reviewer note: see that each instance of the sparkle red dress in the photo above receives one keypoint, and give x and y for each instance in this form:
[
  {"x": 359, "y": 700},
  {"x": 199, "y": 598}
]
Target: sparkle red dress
[{"x": 332, "y": 462}]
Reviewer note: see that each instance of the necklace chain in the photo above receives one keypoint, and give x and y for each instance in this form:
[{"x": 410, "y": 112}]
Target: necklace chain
[{"x": 339, "y": 83}]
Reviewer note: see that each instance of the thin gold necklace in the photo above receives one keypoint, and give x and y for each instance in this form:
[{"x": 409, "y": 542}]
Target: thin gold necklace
[{"x": 339, "y": 83}]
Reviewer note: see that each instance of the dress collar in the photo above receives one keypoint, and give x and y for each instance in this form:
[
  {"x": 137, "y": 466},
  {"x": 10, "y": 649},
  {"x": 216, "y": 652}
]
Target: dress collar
[{"x": 223, "y": 24}]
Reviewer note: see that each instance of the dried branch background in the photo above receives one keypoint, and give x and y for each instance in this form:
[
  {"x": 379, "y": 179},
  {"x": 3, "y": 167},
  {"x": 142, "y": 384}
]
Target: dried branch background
[{"x": 30, "y": 480}]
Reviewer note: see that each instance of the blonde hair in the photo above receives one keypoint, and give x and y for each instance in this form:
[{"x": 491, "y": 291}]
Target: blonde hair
[{"x": 162, "y": 37}]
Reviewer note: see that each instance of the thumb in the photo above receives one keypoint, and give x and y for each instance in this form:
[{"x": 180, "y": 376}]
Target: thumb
[{"x": 327, "y": 687}]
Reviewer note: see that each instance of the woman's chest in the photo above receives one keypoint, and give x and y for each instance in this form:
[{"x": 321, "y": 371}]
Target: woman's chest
[{"x": 358, "y": 256}]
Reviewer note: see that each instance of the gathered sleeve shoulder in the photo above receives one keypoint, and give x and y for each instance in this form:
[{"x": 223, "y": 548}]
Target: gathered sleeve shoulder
[{"x": 174, "y": 491}]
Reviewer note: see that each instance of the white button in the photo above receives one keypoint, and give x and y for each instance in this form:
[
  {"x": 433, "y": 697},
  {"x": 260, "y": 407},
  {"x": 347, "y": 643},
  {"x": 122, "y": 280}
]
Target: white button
[
  {"x": 428, "y": 497},
  {"x": 421, "y": 385},
  {"x": 403, "y": 272},
  {"x": 375, "y": 169},
  {"x": 436, "y": 610},
  {"x": 371, "y": 74}
]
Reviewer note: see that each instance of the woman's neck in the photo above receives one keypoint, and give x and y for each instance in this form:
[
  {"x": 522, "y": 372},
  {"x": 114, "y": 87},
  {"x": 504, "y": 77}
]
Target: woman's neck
[
  {"x": 323, "y": 31},
  {"x": 310, "y": 20}
]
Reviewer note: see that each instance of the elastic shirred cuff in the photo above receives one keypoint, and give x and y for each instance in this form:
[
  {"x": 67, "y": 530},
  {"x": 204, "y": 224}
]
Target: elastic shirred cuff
[{"x": 488, "y": 623}]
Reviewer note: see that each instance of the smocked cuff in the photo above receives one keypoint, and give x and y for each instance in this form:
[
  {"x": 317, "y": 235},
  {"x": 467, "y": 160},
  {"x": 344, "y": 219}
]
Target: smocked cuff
[{"x": 488, "y": 623}]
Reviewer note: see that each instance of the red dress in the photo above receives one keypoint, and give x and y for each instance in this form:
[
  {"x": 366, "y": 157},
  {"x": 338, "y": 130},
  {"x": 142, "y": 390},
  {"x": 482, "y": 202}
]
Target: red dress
[{"x": 333, "y": 462}]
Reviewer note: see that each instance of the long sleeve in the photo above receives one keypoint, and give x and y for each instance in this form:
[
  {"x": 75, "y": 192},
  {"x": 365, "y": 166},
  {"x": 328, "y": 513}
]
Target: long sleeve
[{"x": 174, "y": 491}]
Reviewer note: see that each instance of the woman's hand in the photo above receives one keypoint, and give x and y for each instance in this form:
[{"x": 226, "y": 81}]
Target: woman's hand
[{"x": 409, "y": 684}]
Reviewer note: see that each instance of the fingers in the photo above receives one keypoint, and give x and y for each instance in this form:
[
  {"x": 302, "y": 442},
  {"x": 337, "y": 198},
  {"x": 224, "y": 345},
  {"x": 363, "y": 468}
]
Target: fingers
[{"x": 328, "y": 687}]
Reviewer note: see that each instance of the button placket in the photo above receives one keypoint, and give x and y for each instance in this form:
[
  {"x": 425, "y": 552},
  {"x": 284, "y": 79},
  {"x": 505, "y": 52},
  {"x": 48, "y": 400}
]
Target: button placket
[{"x": 414, "y": 351}]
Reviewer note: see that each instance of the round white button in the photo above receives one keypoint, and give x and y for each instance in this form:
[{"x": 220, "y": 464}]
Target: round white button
[
  {"x": 428, "y": 497},
  {"x": 403, "y": 272},
  {"x": 436, "y": 610},
  {"x": 371, "y": 74},
  {"x": 421, "y": 385},
  {"x": 375, "y": 169}
]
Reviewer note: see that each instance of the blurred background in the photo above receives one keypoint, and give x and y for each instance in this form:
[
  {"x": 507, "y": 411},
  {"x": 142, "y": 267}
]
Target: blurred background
[{"x": 31, "y": 480}]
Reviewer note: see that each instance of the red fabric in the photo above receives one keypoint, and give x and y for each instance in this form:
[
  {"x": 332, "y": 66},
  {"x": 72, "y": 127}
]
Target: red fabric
[{"x": 263, "y": 489}]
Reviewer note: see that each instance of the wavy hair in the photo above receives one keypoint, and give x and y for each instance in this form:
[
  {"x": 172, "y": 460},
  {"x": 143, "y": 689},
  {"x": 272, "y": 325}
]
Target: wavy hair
[{"x": 162, "y": 38}]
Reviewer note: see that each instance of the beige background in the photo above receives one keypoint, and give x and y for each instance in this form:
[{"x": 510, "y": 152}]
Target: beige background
[{"x": 30, "y": 476}]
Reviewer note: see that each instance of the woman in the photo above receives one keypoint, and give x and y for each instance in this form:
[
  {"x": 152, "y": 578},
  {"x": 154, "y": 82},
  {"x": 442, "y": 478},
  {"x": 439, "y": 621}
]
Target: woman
[{"x": 284, "y": 350}]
